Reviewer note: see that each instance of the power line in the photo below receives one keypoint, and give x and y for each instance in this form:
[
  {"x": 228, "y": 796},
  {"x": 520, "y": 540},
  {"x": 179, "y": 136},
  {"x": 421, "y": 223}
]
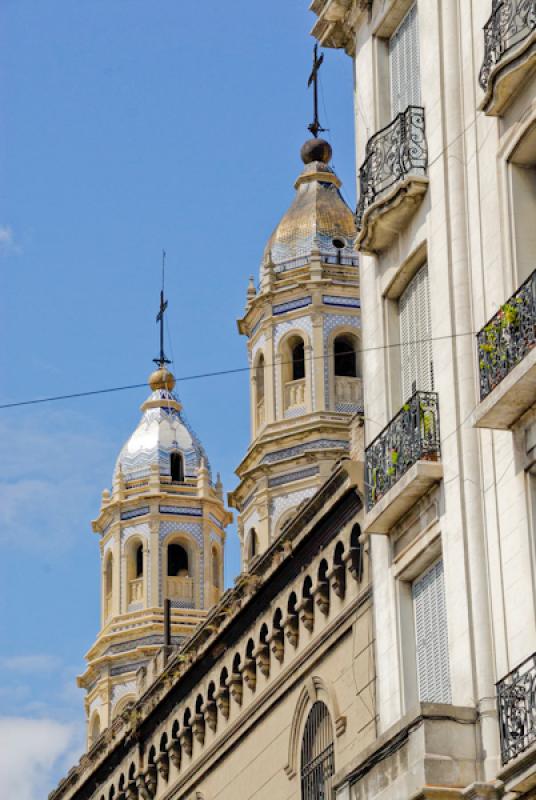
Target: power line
[{"x": 220, "y": 373}]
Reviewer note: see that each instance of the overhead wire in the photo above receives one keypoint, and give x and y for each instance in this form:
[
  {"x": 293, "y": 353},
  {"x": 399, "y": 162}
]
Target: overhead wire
[{"x": 222, "y": 372}]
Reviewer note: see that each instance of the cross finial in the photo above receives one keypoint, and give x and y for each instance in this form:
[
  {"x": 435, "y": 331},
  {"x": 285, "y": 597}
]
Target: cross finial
[
  {"x": 162, "y": 360},
  {"x": 315, "y": 126}
]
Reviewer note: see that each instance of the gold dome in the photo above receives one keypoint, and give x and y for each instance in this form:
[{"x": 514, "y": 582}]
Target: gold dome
[
  {"x": 318, "y": 218},
  {"x": 162, "y": 378}
]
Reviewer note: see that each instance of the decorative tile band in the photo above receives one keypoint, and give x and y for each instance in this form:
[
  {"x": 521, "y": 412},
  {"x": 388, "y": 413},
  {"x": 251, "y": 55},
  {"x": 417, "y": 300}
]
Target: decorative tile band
[
  {"x": 135, "y": 512},
  {"x": 256, "y": 327},
  {"x": 290, "y": 452},
  {"x": 216, "y": 521},
  {"x": 291, "y": 305},
  {"x": 293, "y": 476},
  {"x": 333, "y": 300},
  {"x": 247, "y": 501},
  {"x": 182, "y": 510}
]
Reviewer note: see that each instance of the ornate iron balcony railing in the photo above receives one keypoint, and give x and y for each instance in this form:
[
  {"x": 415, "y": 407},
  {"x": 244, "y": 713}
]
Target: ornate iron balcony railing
[
  {"x": 411, "y": 436},
  {"x": 508, "y": 336},
  {"x": 398, "y": 150},
  {"x": 516, "y": 704},
  {"x": 511, "y": 21}
]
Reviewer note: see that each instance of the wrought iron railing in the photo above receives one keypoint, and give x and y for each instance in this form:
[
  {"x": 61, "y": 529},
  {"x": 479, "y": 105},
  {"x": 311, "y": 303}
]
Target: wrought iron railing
[
  {"x": 516, "y": 705},
  {"x": 411, "y": 436},
  {"x": 395, "y": 152},
  {"x": 508, "y": 336},
  {"x": 510, "y": 23}
]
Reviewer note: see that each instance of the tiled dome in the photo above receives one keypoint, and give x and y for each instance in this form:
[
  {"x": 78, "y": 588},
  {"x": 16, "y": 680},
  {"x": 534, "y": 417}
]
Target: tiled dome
[
  {"x": 317, "y": 219},
  {"x": 162, "y": 430}
]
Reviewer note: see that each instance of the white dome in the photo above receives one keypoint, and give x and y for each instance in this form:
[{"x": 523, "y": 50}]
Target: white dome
[{"x": 162, "y": 430}]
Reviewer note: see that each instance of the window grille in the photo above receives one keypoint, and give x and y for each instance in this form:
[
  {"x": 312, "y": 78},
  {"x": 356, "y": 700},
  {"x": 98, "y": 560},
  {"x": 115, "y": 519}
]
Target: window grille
[
  {"x": 404, "y": 64},
  {"x": 317, "y": 756},
  {"x": 431, "y": 636},
  {"x": 416, "y": 336}
]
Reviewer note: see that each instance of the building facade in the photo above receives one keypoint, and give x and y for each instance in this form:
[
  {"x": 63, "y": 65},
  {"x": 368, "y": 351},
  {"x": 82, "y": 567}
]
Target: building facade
[{"x": 445, "y": 118}]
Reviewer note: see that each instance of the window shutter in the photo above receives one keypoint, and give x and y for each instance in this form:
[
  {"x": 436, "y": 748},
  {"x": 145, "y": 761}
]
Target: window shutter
[
  {"x": 416, "y": 336},
  {"x": 431, "y": 636},
  {"x": 404, "y": 64}
]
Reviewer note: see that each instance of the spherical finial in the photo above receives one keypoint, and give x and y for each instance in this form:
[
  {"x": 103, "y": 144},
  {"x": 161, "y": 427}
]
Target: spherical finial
[
  {"x": 316, "y": 150},
  {"x": 162, "y": 378}
]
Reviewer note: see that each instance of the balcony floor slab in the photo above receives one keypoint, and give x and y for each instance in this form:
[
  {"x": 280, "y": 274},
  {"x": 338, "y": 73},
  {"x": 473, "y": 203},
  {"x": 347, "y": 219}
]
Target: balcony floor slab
[
  {"x": 402, "y": 496},
  {"x": 508, "y": 75},
  {"x": 510, "y": 399},
  {"x": 389, "y": 214}
]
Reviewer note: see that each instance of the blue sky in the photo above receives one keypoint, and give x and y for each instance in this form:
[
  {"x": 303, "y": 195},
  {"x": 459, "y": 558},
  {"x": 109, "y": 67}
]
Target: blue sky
[{"x": 126, "y": 126}]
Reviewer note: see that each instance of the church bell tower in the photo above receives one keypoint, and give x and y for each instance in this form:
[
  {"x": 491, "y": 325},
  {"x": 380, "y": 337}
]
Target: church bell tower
[
  {"x": 162, "y": 535},
  {"x": 303, "y": 333}
]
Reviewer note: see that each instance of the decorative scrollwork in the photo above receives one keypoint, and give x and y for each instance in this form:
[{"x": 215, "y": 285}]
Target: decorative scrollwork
[
  {"x": 411, "y": 436},
  {"x": 508, "y": 336},
  {"x": 510, "y": 23},
  {"x": 398, "y": 150},
  {"x": 516, "y": 700}
]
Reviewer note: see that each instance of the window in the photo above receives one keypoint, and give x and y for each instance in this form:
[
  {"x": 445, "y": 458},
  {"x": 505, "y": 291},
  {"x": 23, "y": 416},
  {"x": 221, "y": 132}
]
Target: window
[
  {"x": 404, "y": 64},
  {"x": 523, "y": 204},
  {"x": 252, "y": 545},
  {"x": 345, "y": 357},
  {"x": 108, "y": 576},
  {"x": 317, "y": 756},
  {"x": 139, "y": 561},
  {"x": 416, "y": 336},
  {"x": 215, "y": 568},
  {"x": 177, "y": 467},
  {"x": 94, "y": 729},
  {"x": 298, "y": 361},
  {"x": 177, "y": 561},
  {"x": 259, "y": 378},
  {"x": 433, "y": 674}
]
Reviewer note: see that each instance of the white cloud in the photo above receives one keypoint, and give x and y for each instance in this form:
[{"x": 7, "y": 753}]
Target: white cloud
[
  {"x": 7, "y": 241},
  {"x": 53, "y": 468},
  {"x": 31, "y": 664},
  {"x": 32, "y": 751}
]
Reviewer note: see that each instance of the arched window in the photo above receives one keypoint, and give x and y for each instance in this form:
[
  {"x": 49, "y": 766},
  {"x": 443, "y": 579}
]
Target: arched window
[
  {"x": 94, "y": 729},
  {"x": 298, "y": 360},
  {"x": 176, "y": 467},
  {"x": 252, "y": 547},
  {"x": 139, "y": 561},
  {"x": 259, "y": 378},
  {"x": 108, "y": 584},
  {"x": 177, "y": 561},
  {"x": 215, "y": 568},
  {"x": 345, "y": 358},
  {"x": 317, "y": 756}
]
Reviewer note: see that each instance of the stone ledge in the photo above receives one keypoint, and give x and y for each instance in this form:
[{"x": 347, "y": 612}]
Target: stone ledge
[
  {"x": 387, "y": 217},
  {"x": 510, "y": 399},
  {"x": 402, "y": 496}
]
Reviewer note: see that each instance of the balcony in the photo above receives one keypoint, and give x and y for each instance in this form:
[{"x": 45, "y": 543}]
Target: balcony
[
  {"x": 392, "y": 180},
  {"x": 135, "y": 590},
  {"x": 295, "y": 394},
  {"x": 180, "y": 588},
  {"x": 507, "y": 361},
  {"x": 516, "y": 706},
  {"x": 509, "y": 52},
  {"x": 402, "y": 463}
]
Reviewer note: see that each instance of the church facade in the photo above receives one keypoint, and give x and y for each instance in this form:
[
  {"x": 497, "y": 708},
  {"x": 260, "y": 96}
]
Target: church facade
[{"x": 380, "y": 639}]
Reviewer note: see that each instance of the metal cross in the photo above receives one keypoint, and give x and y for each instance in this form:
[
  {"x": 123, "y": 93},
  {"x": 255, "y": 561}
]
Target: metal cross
[
  {"x": 160, "y": 318},
  {"x": 315, "y": 126}
]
